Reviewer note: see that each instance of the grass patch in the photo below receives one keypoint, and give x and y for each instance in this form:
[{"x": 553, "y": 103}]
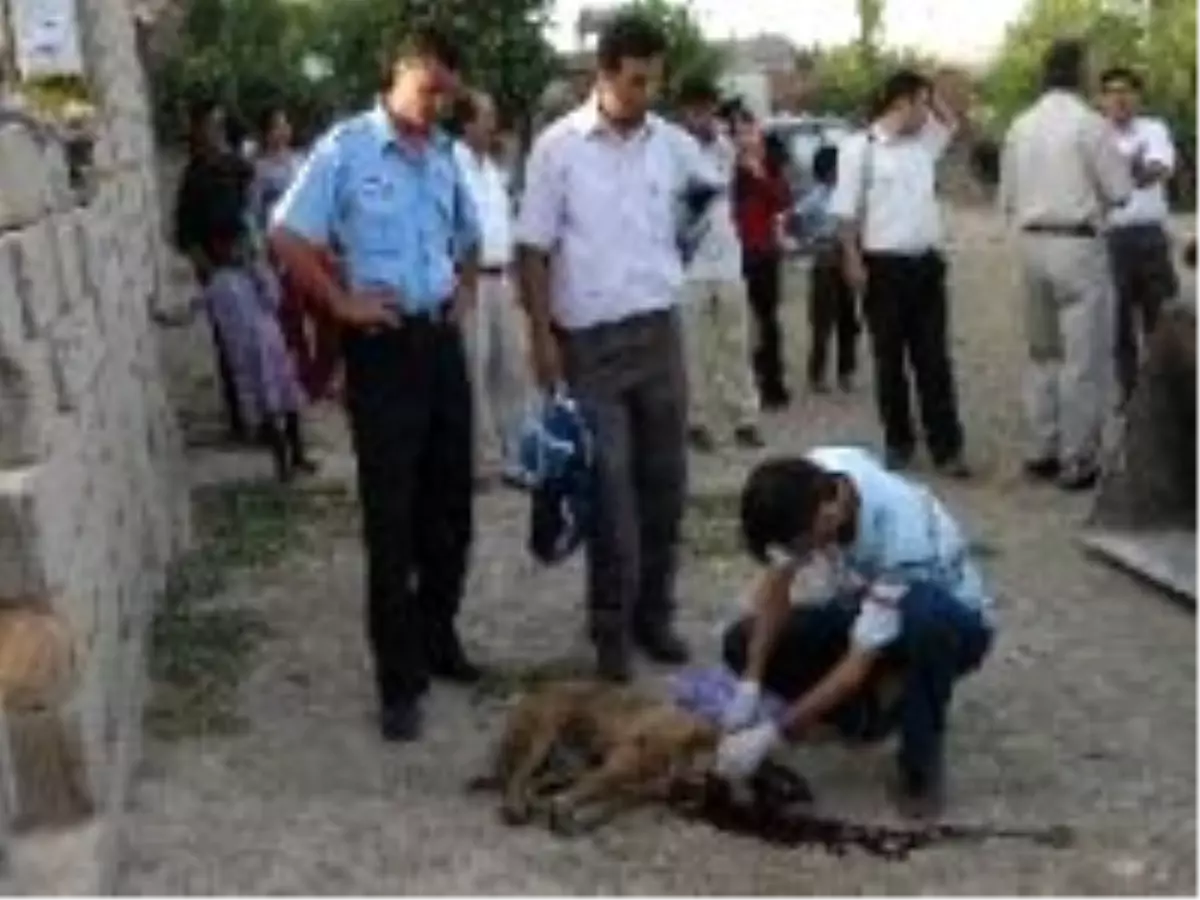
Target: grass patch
[
  {"x": 200, "y": 649},
  {"x": 712, "y": 527}
]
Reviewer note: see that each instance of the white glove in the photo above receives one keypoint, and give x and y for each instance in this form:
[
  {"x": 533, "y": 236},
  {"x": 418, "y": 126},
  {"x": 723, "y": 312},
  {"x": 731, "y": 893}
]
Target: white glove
[
  {"x": 739, "y": 755},
  {"x": 743, "y": 708}
]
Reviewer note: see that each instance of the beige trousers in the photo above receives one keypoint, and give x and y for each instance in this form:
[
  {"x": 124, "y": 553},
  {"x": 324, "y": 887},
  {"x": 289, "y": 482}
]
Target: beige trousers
[
  {"x": 1070, "y": 315},
  {"x": 496, "y": 347},
  {"x": 717, "y": 336}
]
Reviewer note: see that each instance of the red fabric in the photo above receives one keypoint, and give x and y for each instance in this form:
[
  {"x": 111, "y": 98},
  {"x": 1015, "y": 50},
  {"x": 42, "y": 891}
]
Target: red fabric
[
  {"x": 758, "y": 202},
  {"x": 310, "y": 336}
]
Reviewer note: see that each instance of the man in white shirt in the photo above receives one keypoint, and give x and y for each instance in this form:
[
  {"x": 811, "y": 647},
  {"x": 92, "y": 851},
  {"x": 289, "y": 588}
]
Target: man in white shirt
[
  {"x": 1137, "y": 234},
  {"x": 496, "y": 336},
  {"x": 601, "y": 278},
  {"x": 1060, "y": 174},
  {"x": 892, "y": 244},
  {"x": 715, "y": 309}
]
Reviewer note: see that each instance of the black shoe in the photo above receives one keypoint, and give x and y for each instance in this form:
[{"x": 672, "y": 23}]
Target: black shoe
[
  {"x": 954, "y": 467},
  {"x": 612, "y": 662},
  {"x": 1075, "y": 479},
  {"x": 1047, "y": 468},
  {"x": 662, "y": 645},
  {"x": 897, "y": 458},
  {"x": 749, "y": 436},
  {"x": 920, "y": 796},
  {"x": 453, "y": 665},
  {"x": 776, "y": 399},
  {"x": 401, "y": 722},
  {"x": 701, "y": 439}
]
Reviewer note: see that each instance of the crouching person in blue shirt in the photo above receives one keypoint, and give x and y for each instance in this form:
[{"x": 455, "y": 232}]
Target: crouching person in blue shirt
[{"x": 904, "y": 605}]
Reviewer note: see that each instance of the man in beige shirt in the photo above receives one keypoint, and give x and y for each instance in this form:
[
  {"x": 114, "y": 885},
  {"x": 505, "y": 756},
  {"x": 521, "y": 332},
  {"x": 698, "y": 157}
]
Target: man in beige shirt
[{"x": 1061, "y": 173}]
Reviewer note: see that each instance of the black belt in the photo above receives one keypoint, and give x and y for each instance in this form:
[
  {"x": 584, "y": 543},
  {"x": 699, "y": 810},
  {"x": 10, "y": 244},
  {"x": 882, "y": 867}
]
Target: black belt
[
  {"x": 493, "y": 271},
  {"x": 438, "y": 315},
  {"x": 1079, "y": 229}
]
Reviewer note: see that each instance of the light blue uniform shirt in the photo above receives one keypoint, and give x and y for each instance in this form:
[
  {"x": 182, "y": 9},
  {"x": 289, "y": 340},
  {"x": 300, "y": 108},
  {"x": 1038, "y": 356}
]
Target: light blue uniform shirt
[
  {"x": 905, "y": 535},
  {"x": 397, "y": 213}
]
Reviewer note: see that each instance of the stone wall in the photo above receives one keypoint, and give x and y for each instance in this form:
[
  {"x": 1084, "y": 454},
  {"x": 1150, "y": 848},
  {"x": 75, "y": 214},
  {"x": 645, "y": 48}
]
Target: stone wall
[{"x": 93, "y": 502}]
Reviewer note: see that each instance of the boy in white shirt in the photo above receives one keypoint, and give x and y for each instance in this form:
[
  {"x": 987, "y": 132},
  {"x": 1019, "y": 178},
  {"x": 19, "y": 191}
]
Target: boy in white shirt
[
  {"x": 906, "y": 601},
  {"x": 1137, "y": 234}
]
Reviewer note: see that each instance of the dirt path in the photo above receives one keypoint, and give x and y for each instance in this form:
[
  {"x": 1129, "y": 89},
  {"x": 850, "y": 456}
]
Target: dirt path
[{"x": 1084, "y": 715}]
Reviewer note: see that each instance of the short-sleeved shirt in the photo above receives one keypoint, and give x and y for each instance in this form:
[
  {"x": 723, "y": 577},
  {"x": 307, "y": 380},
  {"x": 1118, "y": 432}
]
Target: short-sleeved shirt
[
  {"x": 395, "y": 208},
  {"x": 1060, "y": 165},
  {"x": 604, "y": 206},
  {"x": 887, "y": 184},
  {"x": 905, "y": 535},
  {"x": 1152, "y": 139}
]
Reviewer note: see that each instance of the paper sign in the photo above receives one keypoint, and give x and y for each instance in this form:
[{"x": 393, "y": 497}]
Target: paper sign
[{"x": 46, "y": 33}]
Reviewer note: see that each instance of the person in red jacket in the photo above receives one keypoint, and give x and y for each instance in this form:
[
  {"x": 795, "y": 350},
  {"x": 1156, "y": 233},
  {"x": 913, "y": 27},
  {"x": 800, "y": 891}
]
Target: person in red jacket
[{"x": 760, "y": 195}]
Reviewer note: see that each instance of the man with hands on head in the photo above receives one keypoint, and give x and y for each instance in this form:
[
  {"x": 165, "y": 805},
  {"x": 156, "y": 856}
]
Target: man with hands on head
[
  {"x": 905, "y": 606},
  {"x": 383, "y": 190}
]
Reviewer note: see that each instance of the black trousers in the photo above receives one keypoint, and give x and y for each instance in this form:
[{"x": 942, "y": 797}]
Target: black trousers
[
  {"x": 762, "y": 274},
  {"x": 409, "y": 405},
  {"x": 831, "y": 310},
  {"x": 907, "y": 316},
  {"x": 1145, "y": 278}
]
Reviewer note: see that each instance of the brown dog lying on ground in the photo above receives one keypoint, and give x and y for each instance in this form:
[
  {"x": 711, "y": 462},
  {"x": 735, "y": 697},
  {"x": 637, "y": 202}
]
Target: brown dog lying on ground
[{"x": 582, "y": 751}]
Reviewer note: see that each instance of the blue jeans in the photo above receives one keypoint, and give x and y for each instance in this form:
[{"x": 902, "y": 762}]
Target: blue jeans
[{"x": 940, "y": 641}]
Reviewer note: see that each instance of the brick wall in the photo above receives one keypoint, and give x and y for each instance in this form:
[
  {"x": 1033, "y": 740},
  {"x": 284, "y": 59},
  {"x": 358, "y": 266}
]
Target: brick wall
[{"x": 93, "y": 504}]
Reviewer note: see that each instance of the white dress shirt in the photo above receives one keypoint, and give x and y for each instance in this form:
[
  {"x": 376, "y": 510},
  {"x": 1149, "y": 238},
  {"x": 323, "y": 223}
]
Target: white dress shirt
[
  {"x": 1146, "y": 205},
  {"x": 493, "y": 205},
  {"x": 604, "y": 206},
  {"x": 719, "y": 254},
  {"x": 900, "y": 210}
]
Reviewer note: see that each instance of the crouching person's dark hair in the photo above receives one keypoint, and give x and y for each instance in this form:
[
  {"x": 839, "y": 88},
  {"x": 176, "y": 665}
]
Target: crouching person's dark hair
[{"x": 780, "y": 500}]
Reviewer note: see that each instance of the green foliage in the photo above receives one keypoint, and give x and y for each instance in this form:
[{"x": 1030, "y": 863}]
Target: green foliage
[
  {"x": 1157, "y": 39},
  {"x": 252, "y": 54},
  {"x": 845, "y": 86}
]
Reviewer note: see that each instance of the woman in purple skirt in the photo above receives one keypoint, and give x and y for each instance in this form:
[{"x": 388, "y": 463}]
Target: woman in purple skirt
[{"x": 242, "y": 297}]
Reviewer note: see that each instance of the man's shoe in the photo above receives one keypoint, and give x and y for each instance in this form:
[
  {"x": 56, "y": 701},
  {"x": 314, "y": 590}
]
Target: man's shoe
[
  {"x": 954, "y": 467},
  {"x": 401, "y": 722},
  {"x": 662, "y": 645},
  {"x": 701, "y": 439},
  {"x": 920, "y": 796},
  {"x": 612, "y": 662},
  {"x": 749, "y": 437},
  {"x": 1045, "y": 468},
  {"x": 454, "y": 666},
  {"x": 1075, "y": 479},
  {"x": 897, "y": 458}
]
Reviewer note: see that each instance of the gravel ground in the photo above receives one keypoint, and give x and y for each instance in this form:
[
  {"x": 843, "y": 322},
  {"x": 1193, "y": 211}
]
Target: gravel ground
[{"x": 1084, "y": 714}]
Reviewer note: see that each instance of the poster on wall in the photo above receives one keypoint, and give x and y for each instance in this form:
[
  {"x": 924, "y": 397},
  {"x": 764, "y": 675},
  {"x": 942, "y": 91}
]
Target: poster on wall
[{"x": 46, "y": 37}]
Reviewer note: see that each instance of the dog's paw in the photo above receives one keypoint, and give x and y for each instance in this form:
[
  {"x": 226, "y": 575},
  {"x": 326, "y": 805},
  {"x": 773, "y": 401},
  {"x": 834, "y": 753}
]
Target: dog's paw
[{"x": 516, "y": 812}]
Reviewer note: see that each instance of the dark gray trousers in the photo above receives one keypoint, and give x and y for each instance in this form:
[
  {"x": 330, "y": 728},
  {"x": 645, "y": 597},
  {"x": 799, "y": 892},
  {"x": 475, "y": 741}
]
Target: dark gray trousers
[{"x": 629, "y": 378}]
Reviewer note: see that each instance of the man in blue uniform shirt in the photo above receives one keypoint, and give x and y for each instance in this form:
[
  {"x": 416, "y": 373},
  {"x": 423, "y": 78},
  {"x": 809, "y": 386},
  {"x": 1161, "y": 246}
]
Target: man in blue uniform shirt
[
  {"x": 382, "y": 191},
  {"x": 902, "y": 601}
]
